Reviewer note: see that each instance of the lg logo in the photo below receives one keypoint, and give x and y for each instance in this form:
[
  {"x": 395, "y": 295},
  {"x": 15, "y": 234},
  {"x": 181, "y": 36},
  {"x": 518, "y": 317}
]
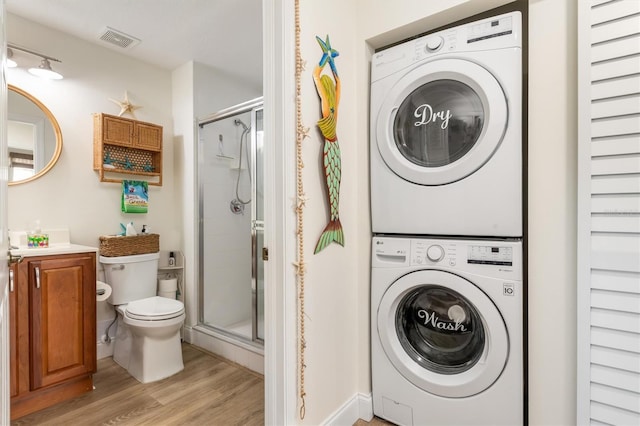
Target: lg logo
[{"x": 507, "y": 289}]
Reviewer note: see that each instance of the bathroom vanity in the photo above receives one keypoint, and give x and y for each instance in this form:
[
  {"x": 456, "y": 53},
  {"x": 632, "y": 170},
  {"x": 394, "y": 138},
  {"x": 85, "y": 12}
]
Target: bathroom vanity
[{"x": 52, "y": 326}]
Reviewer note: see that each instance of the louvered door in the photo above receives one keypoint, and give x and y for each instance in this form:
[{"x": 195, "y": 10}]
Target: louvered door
[{"x": 609, "y": 213}]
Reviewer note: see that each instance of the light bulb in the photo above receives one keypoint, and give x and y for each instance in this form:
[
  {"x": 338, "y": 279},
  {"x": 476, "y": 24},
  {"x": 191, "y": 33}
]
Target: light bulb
[{"x": 45, "y": 71}]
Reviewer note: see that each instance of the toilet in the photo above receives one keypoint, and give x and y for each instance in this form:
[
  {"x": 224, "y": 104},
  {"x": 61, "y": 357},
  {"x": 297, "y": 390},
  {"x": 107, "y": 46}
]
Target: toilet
[{"x": 147, "y": 342}]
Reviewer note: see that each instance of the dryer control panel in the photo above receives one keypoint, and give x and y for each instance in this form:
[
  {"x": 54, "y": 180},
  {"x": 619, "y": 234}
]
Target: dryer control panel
[{"x": 490, "y": 28}]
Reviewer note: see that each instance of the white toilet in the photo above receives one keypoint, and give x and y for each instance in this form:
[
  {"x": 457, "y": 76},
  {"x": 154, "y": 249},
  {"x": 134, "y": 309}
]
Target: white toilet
[{"x": 147, "y": 342}]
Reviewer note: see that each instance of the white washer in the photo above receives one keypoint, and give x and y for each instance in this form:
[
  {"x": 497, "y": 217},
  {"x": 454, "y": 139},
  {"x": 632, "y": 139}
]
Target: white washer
[
  {"x": 446, "y": 132},
  {"x": 447, "y": 331}
]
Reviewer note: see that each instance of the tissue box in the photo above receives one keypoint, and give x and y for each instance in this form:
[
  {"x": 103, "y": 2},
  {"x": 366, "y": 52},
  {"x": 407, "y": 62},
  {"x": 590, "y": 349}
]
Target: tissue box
[{"x": 37, "y": 240}]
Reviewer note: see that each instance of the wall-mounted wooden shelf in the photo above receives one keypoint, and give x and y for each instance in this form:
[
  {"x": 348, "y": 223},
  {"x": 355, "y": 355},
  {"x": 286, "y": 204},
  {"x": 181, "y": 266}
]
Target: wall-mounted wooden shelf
[{"x": 122, "y": 146}]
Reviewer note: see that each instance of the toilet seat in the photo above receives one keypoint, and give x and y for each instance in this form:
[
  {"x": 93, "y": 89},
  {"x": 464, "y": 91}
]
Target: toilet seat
[{"x": 154, "y": 308}]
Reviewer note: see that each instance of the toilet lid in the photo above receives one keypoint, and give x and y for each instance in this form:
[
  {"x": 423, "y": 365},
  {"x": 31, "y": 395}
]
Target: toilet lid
[{"x": 154, "y": 308}]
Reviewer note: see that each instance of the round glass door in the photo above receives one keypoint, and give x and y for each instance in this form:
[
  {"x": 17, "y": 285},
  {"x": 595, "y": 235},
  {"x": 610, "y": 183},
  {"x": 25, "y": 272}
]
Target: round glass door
[
  {"x": 443, "y": 333},
  {"x": 441, "y": 122},
  {"x": 438, "y": 123},
  {"x": 440, "y": 329}
]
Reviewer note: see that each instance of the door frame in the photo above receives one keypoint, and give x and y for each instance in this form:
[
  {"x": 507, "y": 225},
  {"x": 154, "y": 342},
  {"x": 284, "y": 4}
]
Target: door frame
[
  {"x": 4, "y": 281},
  {"x": 280, "y": 281}
]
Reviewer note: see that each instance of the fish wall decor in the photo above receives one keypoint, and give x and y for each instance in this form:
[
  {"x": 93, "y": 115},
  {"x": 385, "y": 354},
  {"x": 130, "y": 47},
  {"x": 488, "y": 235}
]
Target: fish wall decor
[{"x": 328, "y": 88}]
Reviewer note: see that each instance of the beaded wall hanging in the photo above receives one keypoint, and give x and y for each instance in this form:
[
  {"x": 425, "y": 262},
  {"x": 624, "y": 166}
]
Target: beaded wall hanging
[{"x": 302, "y": 132}]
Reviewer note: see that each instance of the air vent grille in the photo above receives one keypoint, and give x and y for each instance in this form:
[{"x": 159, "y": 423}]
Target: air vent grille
[{"x": 118, "y": 38}]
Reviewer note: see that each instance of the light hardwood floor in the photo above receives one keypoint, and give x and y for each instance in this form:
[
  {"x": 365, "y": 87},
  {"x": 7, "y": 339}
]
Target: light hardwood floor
[
  {"x": 376, "y": 421},
  {"x": 209, "y": 391}
]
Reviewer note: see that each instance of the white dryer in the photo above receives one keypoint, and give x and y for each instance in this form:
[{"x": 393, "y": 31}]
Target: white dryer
[
  {"x": 446, "y": 132},
  {"x": 447, "y": 331}
]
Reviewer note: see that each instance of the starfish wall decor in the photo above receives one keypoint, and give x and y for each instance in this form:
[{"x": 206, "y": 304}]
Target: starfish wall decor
[{"x": 126, "y": 105}]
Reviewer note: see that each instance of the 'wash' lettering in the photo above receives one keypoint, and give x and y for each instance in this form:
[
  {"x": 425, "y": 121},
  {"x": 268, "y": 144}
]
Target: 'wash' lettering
[{"x": 434, "y": 321}]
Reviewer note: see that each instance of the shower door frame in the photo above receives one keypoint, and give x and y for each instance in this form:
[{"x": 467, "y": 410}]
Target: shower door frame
[{"x": 251, "y": 106}]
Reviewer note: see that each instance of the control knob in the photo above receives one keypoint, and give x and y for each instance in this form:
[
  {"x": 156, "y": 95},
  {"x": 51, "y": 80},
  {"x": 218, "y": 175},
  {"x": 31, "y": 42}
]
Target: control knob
[
  {"x": 434, "y": 43},
  {"x": 435, "y": 253}
]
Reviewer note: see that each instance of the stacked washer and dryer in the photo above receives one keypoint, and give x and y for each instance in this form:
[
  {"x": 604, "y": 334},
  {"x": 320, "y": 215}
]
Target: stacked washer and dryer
[{"x": 446, "y": 197}]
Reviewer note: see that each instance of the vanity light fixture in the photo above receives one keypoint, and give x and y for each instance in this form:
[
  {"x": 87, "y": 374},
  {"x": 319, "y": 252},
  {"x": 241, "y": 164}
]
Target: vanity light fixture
[
  {"x": 10, "y": 62},
  {"x": 44, "y": 69}
]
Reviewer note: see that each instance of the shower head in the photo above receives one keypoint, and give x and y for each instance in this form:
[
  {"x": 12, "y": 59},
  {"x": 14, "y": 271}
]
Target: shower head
[{"x": 239, "y": 122}]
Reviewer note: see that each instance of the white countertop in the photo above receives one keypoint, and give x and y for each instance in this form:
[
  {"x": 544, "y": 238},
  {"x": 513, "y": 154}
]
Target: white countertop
[{"x": 53, "y": 249}]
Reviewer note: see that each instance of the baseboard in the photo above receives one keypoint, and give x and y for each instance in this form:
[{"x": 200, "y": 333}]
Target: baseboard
[
  {"x": 238, "y": 352},
  {"x": 360, "y": 406}
]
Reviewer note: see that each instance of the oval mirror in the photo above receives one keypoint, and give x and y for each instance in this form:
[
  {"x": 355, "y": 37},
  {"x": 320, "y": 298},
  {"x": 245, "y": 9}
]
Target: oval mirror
[{"x": 34, "y": 137}]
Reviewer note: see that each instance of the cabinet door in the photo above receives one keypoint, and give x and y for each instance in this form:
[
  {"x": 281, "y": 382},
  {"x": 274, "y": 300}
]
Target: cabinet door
[
  {"x": 117, "y": 131},
  {"x": 19, "y": 330},
  {"x": 63, "y": 318},
  {"x": 148, "y": 137}
]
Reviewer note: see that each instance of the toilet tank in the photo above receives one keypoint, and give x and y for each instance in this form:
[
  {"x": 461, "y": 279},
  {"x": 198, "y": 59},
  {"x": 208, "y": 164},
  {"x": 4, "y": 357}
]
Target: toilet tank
[{"x": 131, "y": 277}]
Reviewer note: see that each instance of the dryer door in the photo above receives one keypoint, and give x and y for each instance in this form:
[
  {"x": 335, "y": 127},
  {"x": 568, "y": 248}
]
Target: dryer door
[
  {"x": 441, "y": 122},
  {"x": 442, "y": 333}
]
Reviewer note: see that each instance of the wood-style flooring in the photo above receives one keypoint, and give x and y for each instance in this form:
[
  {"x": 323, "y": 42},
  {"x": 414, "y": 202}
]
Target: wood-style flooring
[
  {"x": 376, "y": 421},
  {"x": 209, "y": 391}
]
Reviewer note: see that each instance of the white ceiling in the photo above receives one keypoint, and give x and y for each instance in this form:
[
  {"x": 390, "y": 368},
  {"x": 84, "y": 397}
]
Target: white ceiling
[{"x": 223, "y": 34}]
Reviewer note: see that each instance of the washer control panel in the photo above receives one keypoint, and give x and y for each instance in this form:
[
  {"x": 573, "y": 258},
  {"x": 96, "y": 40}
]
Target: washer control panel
[
  {"x": 490, "y": 255},
  {"x": 500, "y": 258},
  {"x": 425, "y": 252}
]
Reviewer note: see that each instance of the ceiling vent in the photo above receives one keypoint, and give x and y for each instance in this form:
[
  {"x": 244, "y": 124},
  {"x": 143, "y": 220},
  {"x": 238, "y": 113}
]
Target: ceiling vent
[{"x": 118, "y": 38}]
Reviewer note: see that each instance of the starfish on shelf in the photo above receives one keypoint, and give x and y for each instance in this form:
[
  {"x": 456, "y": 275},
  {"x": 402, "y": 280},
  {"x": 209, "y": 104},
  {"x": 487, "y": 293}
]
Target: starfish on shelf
[
  {"x": 126, "y": 105},
  {"x": 107, "y": 158},
  {"x": 127, "y": 164}
]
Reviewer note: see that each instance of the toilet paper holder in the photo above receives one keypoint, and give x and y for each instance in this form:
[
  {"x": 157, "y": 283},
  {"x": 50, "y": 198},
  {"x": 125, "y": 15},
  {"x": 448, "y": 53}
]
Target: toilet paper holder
[{"x": 103, "y": 291}]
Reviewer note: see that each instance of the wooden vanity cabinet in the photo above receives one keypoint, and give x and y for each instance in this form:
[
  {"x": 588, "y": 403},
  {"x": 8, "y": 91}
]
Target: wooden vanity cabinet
[{"x": 53, "y": 330}]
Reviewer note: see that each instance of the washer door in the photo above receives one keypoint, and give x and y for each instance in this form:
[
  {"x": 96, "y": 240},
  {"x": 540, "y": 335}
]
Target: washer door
[
  {"x": 441, "y": 122},
  {"x": 442, "y": 333}
]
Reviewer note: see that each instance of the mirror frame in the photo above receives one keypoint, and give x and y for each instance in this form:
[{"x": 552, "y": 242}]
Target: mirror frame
[{"x": 56, "y": 129}]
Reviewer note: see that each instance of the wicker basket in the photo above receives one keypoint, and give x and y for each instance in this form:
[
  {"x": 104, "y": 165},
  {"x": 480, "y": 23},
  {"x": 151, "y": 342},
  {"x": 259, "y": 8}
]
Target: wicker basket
[{"x": 117, "y": 245}]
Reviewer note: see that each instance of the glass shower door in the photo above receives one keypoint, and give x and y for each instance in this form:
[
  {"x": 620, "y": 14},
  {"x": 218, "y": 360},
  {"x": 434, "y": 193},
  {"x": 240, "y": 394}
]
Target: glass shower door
[
  {"x": 231, "y": 219},
  {"x": 258, "y": 226}
]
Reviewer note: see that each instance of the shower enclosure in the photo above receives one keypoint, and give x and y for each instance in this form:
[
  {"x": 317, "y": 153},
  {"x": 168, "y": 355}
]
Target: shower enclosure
[{"x": 230, "y": 184}]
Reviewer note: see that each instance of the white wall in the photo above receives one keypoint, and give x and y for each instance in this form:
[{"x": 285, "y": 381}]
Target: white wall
[
  {"x": 331, "y": 282},
  {"x": 552, "y": 211},
  {"x": 70, "y": 195},
  {"x": 184, "y": 137}
]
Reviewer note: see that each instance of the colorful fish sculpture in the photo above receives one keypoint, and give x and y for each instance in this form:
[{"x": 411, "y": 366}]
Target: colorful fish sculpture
[{"x": 329, "y": 92}]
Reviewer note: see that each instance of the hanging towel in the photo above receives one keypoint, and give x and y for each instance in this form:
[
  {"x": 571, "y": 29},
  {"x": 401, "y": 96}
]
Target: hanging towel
[{"x": 135, "y": 196}]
